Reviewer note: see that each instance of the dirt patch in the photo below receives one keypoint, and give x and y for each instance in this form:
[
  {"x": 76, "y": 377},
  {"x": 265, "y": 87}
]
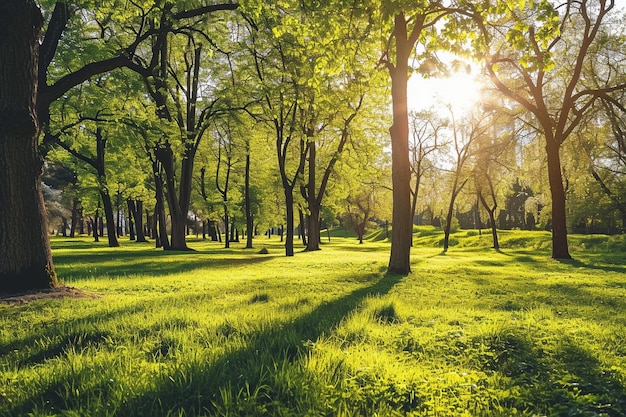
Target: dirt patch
[{"x": 52, "y": 293}]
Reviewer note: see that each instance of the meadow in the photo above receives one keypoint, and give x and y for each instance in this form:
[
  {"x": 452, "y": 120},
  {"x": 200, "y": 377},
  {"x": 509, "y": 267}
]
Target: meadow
[{"x": 232, "y": 332}]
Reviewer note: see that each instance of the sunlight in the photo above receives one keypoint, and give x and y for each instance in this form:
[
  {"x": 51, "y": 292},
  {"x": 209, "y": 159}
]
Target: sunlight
[{"x": 461, "y": 91}]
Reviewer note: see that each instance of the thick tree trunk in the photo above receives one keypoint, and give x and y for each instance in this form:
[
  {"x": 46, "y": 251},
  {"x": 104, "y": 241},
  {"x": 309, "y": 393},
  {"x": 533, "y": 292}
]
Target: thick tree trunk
[
  {"x": 178, "y": 206},
  {"x": 160, "y": 228},
  {"x": 135, "y": 217},
  {"x": 25, "y": 255},
  {"x": 399, "y": 260},
  {"x": 560, "y": 249}
]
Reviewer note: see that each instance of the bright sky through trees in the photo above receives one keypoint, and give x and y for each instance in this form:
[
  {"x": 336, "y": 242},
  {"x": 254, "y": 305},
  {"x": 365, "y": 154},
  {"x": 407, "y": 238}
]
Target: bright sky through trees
[{"x": 461, "y": 91}]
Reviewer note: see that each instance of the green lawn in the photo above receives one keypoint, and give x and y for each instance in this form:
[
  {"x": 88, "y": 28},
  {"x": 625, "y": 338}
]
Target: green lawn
[{"x": 232, "y": 332}]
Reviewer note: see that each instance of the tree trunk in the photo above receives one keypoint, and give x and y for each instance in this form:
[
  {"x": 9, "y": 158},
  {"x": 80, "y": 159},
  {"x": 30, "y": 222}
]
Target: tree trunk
[
  {"x": 110, "y": 219},
  {"x": 313, "y": 219},
  {"x": 178, "y": 206},
  {"x": 249, "y": 217},
  {"x": 301, "y": 227},
  {"x": 560, "y": 249},
  {"x": 26, "y": 259},
  {"x": 492, "y": 219},
  {"x": 95, "y": 226},
  {"x": 290, "y": 223},
  {"x": 446, "y": 229},
  {"x": 138, "y": 216},
  {"x": 131, "y": 221},
  {"x": 160, "y": 229},
  {"x": 399, "y": 260},
  {"x": 75, "y": 218},
  {"x": 226, "y": 230}
]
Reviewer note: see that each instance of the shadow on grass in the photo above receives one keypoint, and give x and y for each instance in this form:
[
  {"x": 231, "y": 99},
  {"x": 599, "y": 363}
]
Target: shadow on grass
[
  {"x": 565, "y": 382},
  {"x": 196, "y": 384},
  {"x": 252, "y": 368},
  {"x": 72, "y": 267},
  {"x": 581, "y": 264}
]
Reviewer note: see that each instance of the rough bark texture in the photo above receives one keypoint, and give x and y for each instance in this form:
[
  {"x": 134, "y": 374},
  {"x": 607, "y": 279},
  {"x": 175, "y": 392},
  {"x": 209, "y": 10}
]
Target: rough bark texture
[{"x": 25, "y": 256}]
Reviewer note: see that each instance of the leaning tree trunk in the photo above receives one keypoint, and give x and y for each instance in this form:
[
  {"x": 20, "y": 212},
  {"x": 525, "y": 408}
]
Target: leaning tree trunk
[
  {"x": 25, "y": 256},
  {"x": 560, "y": 249}
]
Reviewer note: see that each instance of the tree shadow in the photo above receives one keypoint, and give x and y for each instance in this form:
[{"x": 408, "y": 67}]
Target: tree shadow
[
  {"x": 564, "y": 382},
  {"x": 197, "y": 384},
  {"x": 72, "y": 267},
  {"x": 251, "y": 367},
  {"x": 581, "y": 264}
]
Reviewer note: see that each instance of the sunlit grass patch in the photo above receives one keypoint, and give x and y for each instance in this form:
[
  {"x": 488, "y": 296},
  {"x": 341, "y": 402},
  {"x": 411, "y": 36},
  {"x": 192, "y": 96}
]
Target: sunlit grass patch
[{"x": 232, "y": 332}]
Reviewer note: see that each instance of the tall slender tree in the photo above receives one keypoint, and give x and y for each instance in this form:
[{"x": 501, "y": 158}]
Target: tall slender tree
[{"x": 411, "y": 24}]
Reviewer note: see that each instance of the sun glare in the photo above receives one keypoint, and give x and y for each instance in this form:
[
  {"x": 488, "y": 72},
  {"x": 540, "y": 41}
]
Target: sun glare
[{"x": 460, "y": 92}]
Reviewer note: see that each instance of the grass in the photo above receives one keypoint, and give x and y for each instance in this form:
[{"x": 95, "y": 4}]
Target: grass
[{"x": 472, "y": 332}]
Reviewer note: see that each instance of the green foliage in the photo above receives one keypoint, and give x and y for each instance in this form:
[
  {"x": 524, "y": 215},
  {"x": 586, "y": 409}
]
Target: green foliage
[{"x": 226, "y": 332}]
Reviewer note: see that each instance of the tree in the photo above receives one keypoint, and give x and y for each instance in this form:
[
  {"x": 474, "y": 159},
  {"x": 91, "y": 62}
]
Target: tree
[
  {"x": 465, "y": 134},
  {"x": 25, "y": 256},
  {"x": 25, "y": 103},
  {"x": 276, "y": 67},
  {"x": 97, "y": 162},
  {"x": 535, "y": 55},
  {"x": 425, "y": 127},
  {"x": 410, "y": 24},
  {"x": 491, "y": 165}
]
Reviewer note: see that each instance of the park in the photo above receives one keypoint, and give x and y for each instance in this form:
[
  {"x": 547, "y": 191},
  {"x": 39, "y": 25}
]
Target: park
[{"x": 312, "y": 208}]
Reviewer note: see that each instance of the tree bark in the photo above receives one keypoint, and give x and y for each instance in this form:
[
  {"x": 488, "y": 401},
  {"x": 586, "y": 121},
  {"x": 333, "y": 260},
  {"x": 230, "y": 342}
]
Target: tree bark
[
  {"x": 25, "y": 255},
  {"x": 138, "y": 216},
  {"x": 399, "y": 259},
  {"x": 313, "y": 219},
  {"x": 249, "y": 217},
  {"x": 290, "y": 222},
  {"x": 107, "y": 205},
  {"x": 75, "y": 218},
  {"x": 560, "y": 249},
  {"x": 178, "y": 207},
  {"x": 131, "y": 218}
]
